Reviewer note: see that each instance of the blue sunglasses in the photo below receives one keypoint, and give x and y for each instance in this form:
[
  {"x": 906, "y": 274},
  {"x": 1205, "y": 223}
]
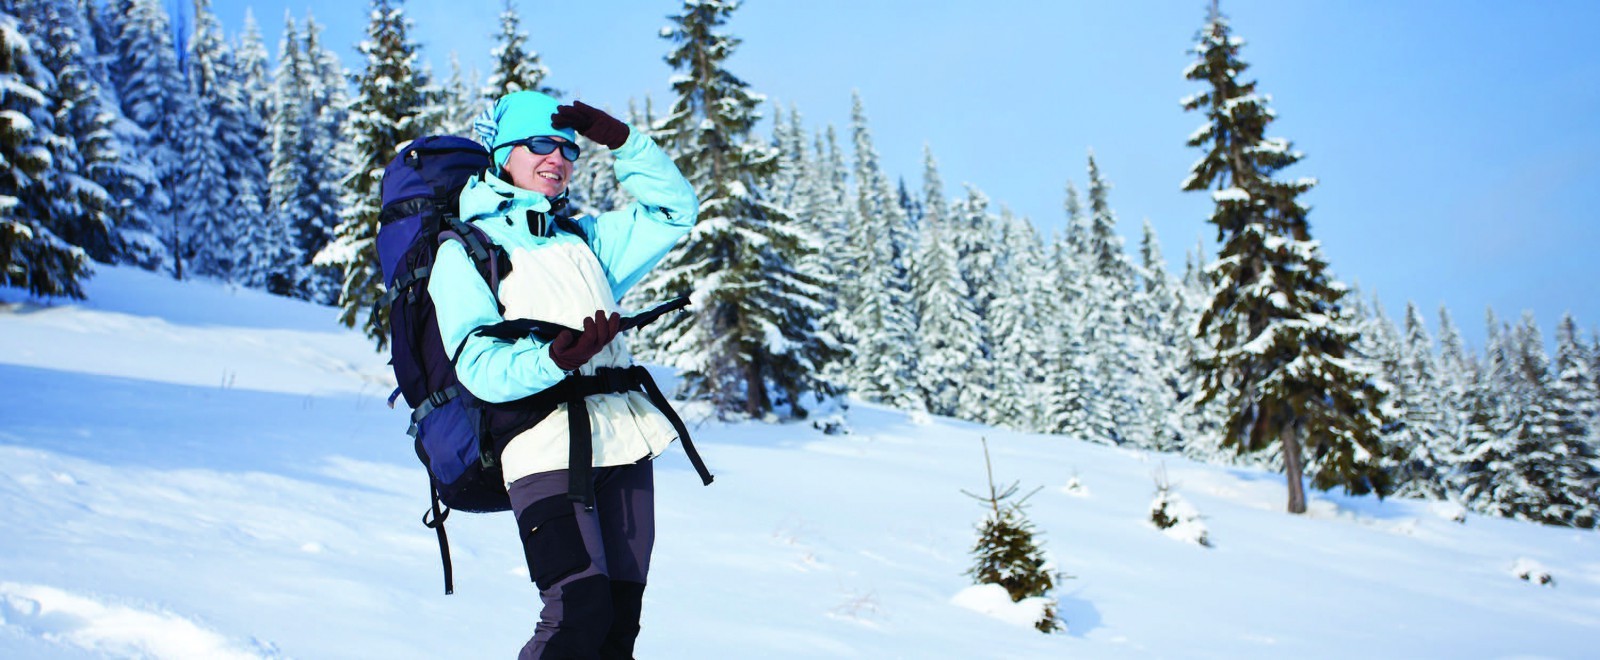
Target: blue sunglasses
[{"x": 543, "y": 145}]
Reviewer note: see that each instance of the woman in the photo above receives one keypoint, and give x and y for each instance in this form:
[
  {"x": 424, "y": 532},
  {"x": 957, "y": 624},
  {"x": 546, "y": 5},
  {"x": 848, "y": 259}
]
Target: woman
[{"x": 589, "y": 557}]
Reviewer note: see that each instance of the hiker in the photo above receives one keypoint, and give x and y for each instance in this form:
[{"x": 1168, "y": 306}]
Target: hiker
[{"x": 588, "y": 555}]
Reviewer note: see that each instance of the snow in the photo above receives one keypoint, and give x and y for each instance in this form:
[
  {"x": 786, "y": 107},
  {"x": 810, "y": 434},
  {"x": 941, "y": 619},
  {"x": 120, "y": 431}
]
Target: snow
[
  {"x": 993, "y": 601},
  {"x": 193, "y": 470},
  {"x": 1238, "y": 195},
  {"x": 113, "y": 630}
]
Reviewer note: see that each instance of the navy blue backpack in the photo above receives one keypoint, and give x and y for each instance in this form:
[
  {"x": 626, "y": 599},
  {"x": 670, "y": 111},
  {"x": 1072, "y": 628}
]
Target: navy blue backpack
[{"x": 421, "y": 187}]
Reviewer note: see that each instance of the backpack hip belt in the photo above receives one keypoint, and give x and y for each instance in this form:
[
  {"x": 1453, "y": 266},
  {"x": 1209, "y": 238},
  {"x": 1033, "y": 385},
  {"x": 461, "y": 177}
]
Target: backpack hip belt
[{"x": 574, "y": 389}]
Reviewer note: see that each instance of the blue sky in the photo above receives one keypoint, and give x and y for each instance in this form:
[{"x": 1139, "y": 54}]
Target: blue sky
[{"x": 1457, "y": 143}]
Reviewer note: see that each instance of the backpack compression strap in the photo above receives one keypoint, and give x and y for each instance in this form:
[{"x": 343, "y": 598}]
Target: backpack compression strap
[{"x": 609, "y": 380}]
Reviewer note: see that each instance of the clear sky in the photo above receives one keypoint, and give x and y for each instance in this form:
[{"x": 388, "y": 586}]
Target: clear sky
[{"x": 1457, "y": 142}]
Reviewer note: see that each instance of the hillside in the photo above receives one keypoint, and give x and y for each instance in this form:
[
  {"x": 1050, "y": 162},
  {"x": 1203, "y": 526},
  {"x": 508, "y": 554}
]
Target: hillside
[{"x": 198, "y": 471}]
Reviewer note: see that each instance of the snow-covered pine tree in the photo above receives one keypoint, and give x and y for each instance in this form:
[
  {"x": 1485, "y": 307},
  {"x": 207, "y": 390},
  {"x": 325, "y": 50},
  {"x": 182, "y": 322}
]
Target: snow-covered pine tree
[
  {"x": 1204, "y": 419},
  {"x": 1379, "y": 340},
  {"x": 1121, "y": 391},
  {"x": 1456, "y": 372},
  {"x": 1163, "y": 326},
  {"x": 154, "y": 94},
  {"x": 214, "y": 132},
  {"x": 332, "y": 158},
  {"x": 1283, "y": 351},
  {"x": 515, "y": 66},
  {"x": 1018, "y": 330},
  {"x": 32, "y": 256},
  {"x": 947, "y": 339},
  {"x": 1008, "y": 553},
  {"x": 1067, "y": 409},
  {"x": 290, "y": 171},
  {"x": 396, "y": 102},
  {"x": 109, "y": 142},
  {"x": 1478, "y": 447},
  {"x": 80, "y": 206},
  {"x": 85, "y": 150},
  {"x": 1575, "y": 403},
  {"x": 947, "y": 333},
  {"x": 751, "y": 344},
  {"x": 1526, "y": 469},
  {"x": 825, "y": 194},
  {"x": 462, "y": 103},
  {"x": 1422, "y": 419},
  {"x": 882, "y": 316},
  {"x": 267, "y": 247}
]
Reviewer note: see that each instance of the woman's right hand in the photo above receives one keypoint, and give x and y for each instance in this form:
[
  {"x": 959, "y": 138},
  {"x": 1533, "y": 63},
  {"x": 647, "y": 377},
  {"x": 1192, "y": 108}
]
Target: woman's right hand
[{"x": 570, "y": 352}]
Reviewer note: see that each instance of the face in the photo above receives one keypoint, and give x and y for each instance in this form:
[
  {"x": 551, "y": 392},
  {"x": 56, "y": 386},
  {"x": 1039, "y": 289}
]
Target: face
[{"x": 547, "y": 174}]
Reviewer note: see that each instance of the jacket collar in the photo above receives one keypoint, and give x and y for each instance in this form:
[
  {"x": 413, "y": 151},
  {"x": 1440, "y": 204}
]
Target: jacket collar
[{"x": 487, "y": 196}]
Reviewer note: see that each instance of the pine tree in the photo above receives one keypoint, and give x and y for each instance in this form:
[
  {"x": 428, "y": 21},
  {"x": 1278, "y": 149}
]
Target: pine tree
[
  {"x": 79, "y": 206},
  {"x": 753, "y": 344},
  {"x": 333, "y": 156},
  {"x": 1421, "y": 437},
  {"x": 882, "y": 315},
  {"x": 290, "y": 171},
  {"x": 1574, "y": 404},
  {"x": 1017, "y": 325},
  {"x": 110, "y": 143},
  {"x": 947, "y": 336},
  {"x": 462, "y": 103},
  {"x": 214, "y": 132},
  {"x": 1283, "y": 352},
  {"x": 266, "y": 241},
  {"x": 515, "y": 67},
  {"x": 1525, "y": 468},
  {"x": 396, "y": 103},
  {"x": 1120, "y": 395},
  {"x": 32, "y": 256},
  {"x": 1163, "y": 326},
  {"x": 154, "y": 97},
  {"x": 1203, "y": 418},
  {"x": 1007, "y": 552}
]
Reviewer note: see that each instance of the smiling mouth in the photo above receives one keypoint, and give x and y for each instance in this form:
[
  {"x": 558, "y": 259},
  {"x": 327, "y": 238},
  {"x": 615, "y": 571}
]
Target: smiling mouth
[{"x": 551, "y": 176}]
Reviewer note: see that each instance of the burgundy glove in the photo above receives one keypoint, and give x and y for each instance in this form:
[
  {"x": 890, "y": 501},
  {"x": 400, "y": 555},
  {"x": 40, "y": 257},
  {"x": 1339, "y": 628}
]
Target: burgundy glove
[
  {"x": 570, "y": 352},
  {"x": 592, "y": 123}
]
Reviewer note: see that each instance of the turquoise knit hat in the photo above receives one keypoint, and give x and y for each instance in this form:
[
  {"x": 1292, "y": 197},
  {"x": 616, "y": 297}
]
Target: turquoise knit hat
[{"x": 516, "y": 116}]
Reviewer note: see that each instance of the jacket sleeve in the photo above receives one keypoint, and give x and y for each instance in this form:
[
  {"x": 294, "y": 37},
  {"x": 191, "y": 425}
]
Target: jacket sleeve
[
  {"x": 492, "y": 370},
  {"x": 631, "y": 241}
]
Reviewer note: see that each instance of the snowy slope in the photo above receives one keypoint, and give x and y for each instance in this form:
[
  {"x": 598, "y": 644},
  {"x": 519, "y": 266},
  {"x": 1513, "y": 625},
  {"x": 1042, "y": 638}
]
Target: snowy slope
[{"x": 195, "y": 471}]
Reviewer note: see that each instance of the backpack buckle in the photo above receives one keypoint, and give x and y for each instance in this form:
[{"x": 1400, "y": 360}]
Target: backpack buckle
[{"x": 613, "y": 380}]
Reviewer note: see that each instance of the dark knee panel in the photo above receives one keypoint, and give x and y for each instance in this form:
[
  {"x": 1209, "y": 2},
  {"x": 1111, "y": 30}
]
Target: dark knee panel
[
  {"x": 585, "y": 619},
  {"x": 627, "y": 599},
  {"x": 551, "y": 541}
]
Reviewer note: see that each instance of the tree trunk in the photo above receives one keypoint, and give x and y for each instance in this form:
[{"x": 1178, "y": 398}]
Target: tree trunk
[
  {"x": 1293, "y": 468},
  {"x": 755, "y": 390}
]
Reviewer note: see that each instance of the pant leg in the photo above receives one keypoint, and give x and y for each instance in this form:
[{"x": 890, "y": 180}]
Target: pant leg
[
  {"x": 625, "y": 501},
  {"x": 590, "y": 565},
  {"x": 567, "y": 560}
]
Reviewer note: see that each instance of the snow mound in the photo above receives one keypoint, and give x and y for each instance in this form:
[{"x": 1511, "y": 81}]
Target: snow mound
[
  {"x": 1075, "y": 488},
  {"x": 1449, "y": 511},
  {"x": 1178, "y": 519},
  {"x": 993, "y": 600},
  {"x": 112, "y": 630},
  {"x": 1530, "y": 570}
]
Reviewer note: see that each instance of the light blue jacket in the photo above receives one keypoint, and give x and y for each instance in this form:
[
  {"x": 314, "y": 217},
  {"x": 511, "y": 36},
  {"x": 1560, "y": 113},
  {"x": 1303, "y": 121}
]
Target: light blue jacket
[{"x": 627, "y": 243}]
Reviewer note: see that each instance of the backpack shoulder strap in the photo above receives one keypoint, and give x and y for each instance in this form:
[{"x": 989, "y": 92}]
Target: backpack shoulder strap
[{"x": 492, "y": 261}]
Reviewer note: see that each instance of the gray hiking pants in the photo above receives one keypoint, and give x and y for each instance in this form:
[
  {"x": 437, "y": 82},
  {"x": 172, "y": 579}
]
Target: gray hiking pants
[{"x": 590, "y": 565}]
